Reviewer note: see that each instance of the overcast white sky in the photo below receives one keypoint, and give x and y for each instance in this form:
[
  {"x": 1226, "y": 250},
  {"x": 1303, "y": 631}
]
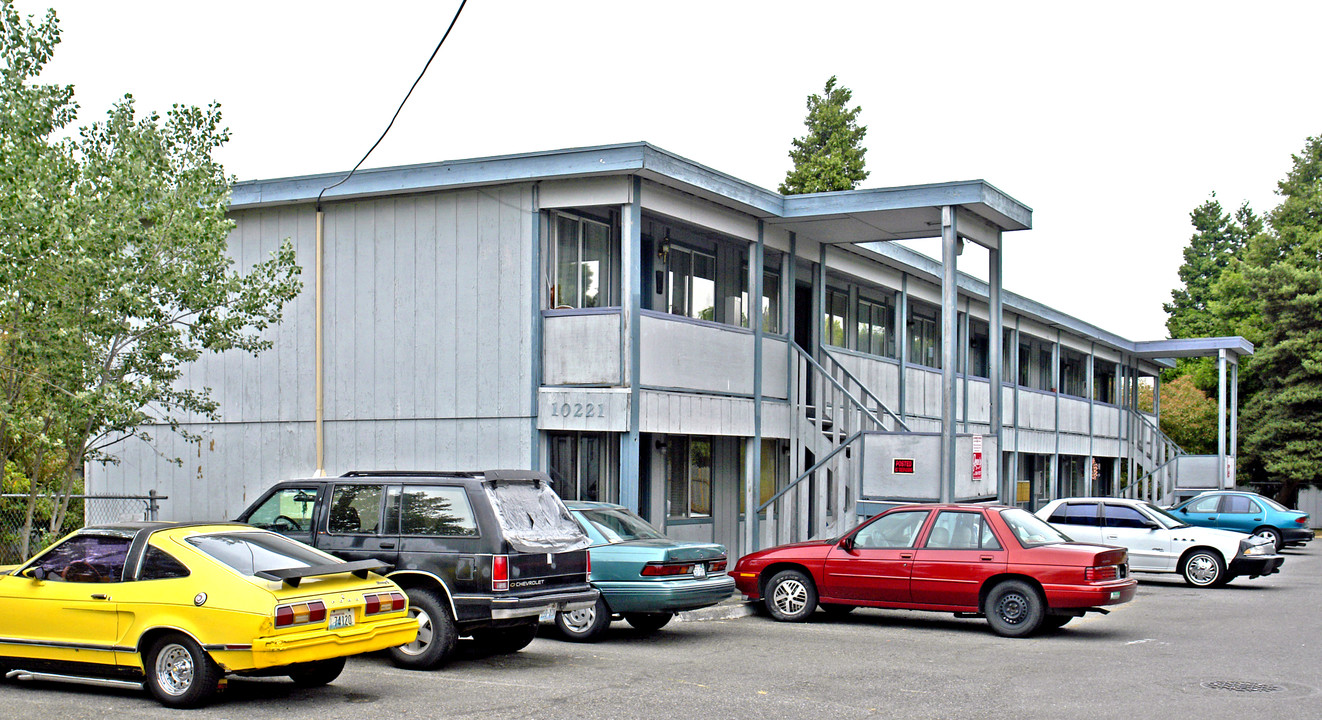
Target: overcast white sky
[{"x": 1112, "y": 121}]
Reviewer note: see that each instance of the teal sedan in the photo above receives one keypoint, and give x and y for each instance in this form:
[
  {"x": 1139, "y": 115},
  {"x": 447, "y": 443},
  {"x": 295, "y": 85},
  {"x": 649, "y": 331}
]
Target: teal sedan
[
  {"x": 1248, "y": 513},
  {"x": 644, "y": 576}
]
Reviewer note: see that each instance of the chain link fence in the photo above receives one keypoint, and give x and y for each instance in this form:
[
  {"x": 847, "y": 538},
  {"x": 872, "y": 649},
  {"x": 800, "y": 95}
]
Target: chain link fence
[{"x": 83, "y": 510}]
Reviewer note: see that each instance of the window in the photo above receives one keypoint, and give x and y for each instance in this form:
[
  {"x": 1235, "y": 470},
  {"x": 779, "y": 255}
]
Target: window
[
  {"x": 254, "y": 552},
  {"x": 288, "y": 509},
  {"x": 1029, "y": 530},
  {"x": 924, "y": 335},
  {"x": 770, "y": 295},
  {"x": 896, "y": 530},
  {"x": 770, "y": 471},
  {"x": 979, "y": 349},
  {"x": 834, "y": 323},
  {"x": 439, "y": 510},
  {"x": 581, "y": 466},
  {"x": 1084, "y": 514},
  {"x": 1007, "y": 356},
  {"x": 1239, "y": 504},
  {"x": 876, "y": 327},
  {"x": 961, "y": 531},
  {"x": 1123, "y": 516},
  {"x": 159, "y": 565},
  {"x": 691, "y": 283},
  {"x": 583, "y": 263},
  {"x": 87, "y": 558},
  {"x": 688, "y": 477},
  {"x": 1205, "y": 505},
  {"x": 1034, "y": 363},
  {"x": 1073, "y": 373},
  {"x": 355, "y": 509},
  {"x": 1103, "y": 381},
  {"x": 1072, "y": 472}
]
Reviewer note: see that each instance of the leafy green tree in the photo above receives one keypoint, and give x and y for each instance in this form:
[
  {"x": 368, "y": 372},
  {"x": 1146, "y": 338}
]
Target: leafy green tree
[
  {"x": 114, "y": 262},
  {"x": 1219, "y": 238},
  {"x": 1281, "y": 278},
  {"x": 1188, "y": 416},
  {"x": 830, "y": 156}
]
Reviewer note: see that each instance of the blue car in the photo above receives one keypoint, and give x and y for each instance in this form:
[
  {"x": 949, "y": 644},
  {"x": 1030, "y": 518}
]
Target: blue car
[
  {"x": 644, "y": 576},
  {"x": 1249, "y": 513}
]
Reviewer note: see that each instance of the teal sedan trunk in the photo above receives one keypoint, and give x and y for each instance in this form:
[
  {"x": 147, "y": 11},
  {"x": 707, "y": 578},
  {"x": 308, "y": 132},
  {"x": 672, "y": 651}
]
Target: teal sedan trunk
[{"x": 643, "y": 575}]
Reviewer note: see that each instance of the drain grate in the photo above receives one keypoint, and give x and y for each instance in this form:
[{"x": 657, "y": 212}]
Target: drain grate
[{"x": 1241, "y": 686}]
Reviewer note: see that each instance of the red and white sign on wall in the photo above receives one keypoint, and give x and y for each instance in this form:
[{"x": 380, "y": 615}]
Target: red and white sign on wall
[{"x": 977, "y": 457}]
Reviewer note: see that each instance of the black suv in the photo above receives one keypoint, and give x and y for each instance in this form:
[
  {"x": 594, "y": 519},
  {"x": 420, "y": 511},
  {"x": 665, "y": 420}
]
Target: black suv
[{"x": 480, "y": 554}]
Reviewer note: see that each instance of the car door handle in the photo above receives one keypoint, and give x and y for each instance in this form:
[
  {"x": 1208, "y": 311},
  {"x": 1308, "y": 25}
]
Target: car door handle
[
  {"x": 987, "y": 558},
  {"x": 100, "y": 596},
  {"x": 1257, "y": 519},
  {"x": 387, "y": 546},
  {"x": 906, "y": 556}
]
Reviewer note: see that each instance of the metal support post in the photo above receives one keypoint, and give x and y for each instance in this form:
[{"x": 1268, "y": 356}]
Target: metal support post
[{"x": 949, "y": 313}]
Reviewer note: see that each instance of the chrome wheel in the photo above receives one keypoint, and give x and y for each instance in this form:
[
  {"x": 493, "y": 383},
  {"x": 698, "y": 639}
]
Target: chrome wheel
[
  {"x": 790, "y": 596},
  {"x": 580, "y": 621},
  {"x": 425, "y": 632},
  {"x": 1202, "y": 569},
  {"x": 174, "y": 669}
]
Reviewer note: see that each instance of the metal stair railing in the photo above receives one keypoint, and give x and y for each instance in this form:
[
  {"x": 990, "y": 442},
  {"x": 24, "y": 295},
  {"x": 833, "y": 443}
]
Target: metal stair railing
[
  {"x": 1154, "y": 449},
  {"x": 827, "y": 427}
]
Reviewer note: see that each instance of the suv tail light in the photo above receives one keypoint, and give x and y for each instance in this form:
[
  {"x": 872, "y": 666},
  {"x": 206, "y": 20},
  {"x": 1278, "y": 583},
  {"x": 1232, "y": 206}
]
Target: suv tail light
[
  {"x": 656, "y": 569},
  {"x": 589, "y": 564},
  {"x": 716, "y": 567},
  {"x": 500, "y": 572},
  {"x": 300, "y": 614},
  {"x": 382, "y": 603},
  {"x": 1101, "y": 573}
]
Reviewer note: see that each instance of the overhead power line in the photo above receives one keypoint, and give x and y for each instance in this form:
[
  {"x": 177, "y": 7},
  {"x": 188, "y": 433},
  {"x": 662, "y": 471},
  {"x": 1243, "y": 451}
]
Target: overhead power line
[{"x": 398, "y": 109}]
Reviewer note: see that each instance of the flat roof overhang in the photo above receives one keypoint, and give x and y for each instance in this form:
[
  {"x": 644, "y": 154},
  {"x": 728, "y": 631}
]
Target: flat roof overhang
[
  {"x": 852, "y": 216},
  {"x": 904, "y": 213},
  {"x": 1235, "y": 347}
]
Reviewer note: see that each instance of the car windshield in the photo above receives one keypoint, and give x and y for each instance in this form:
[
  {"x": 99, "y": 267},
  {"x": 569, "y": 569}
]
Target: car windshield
[
  {"x": 1165, "y": 518},
  {"x": 1030, "y": 530},
  {"x": 254, "y": 552},
  {"x": 618, "y": 524}
]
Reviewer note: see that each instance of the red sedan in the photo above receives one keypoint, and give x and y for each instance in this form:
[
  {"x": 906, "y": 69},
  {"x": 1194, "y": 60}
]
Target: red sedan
[{"x": 997, "y": 562}]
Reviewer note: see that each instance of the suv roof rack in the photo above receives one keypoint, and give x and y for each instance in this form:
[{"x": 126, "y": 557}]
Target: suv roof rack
[{"x": 410, "y": 473}]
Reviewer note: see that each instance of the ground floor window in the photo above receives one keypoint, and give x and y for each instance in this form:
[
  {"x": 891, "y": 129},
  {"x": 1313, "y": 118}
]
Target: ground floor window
[
  {"x": 582, "y": 466},
  {"x": 1073, "y": 476},
  {"x": 688, "y": 476}
]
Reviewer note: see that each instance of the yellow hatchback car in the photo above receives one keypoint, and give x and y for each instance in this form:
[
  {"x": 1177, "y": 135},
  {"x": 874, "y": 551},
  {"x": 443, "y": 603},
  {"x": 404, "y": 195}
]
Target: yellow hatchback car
[{"x": 179, "y": 606}]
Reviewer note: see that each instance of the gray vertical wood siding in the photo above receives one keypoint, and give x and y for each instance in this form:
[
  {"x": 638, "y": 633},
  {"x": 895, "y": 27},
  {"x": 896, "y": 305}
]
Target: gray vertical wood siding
[{"x": 427, "y": 363}]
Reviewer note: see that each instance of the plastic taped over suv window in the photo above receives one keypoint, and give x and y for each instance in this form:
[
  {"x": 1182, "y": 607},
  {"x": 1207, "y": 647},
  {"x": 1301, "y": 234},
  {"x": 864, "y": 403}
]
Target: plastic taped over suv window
[{"x": 533, "y": 517}]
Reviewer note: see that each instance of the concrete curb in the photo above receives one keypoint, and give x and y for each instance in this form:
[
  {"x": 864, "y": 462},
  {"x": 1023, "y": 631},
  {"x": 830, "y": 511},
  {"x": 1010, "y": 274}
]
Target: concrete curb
[{"x": 728, "y": 610}]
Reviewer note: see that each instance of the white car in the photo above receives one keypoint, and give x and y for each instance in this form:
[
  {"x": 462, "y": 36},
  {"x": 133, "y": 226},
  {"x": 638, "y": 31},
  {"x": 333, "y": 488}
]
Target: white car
[{"x": 1160, "y": 542}]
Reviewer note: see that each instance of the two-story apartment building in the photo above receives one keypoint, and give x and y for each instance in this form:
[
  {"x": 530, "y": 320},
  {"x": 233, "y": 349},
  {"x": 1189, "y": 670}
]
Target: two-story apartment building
[{"x": 650, "y": 332}]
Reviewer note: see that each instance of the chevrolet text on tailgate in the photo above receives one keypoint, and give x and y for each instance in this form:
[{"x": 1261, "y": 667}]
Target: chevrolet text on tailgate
[{"x": 480, "y": 554}]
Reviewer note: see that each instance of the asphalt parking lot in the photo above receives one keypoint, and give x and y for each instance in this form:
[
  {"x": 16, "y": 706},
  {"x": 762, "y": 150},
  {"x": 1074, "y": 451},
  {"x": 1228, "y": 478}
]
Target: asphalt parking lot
[{"x": 1251, "y": 649}]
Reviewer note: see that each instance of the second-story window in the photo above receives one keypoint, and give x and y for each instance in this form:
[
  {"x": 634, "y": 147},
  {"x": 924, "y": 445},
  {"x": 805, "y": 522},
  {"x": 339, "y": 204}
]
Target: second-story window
[
  {"x": 876, "y": 327},
  {"x": 1073, "y": 373},
  {"x": 691, "y": 285},
  {"x": 837, "y": 306},
  {"x": 924, "y": 335},
  {"x": 583, "y": 264},
  {"x": 770, "y": 299}
]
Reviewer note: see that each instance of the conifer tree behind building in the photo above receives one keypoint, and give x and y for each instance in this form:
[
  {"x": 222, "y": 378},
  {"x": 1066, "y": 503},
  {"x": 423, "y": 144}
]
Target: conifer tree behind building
[{"x": 830, "y": 156}]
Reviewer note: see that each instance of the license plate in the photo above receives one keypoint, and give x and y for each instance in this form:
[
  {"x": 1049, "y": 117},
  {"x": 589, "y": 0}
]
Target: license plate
[
  {"x": 340, "y": 619},
  {"x": 1115, "y": 595},
  {"x": 700, "y": 570},
  {"x": 547, "y": 615}
]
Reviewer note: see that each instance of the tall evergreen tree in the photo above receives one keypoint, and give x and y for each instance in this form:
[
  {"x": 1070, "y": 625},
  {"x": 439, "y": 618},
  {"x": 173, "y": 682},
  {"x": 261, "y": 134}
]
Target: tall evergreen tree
[
  {"x": 1282, "y": 274},
  {"x": 1219, "y": 237},
  {"x": 830, "y": 156}
]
